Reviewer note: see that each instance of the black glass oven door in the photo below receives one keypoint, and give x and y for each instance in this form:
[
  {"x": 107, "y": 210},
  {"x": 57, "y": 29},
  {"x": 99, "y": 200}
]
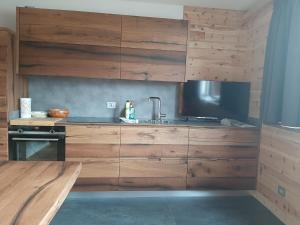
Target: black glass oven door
[{"x": 36, "y": 149}]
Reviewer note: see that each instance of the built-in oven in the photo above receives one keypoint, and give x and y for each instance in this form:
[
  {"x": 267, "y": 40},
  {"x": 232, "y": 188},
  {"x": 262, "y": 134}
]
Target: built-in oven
[{"x": 36, "y": 143}]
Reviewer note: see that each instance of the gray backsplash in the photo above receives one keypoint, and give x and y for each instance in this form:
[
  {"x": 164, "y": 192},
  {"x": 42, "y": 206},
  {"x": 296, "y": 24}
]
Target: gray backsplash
[{"x": 88, "y": 97}]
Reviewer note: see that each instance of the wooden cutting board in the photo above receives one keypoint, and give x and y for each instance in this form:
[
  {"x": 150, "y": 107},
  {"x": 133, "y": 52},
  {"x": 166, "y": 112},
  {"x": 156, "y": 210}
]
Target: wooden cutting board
[{"x": 35, "y": 122}]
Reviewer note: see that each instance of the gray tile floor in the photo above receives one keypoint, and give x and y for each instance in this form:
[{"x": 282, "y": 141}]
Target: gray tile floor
[{"x": 229, "y": 210}]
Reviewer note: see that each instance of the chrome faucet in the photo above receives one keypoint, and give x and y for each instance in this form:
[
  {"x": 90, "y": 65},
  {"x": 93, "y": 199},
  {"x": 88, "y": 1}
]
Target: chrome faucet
[{"x": 159, "y": 114}]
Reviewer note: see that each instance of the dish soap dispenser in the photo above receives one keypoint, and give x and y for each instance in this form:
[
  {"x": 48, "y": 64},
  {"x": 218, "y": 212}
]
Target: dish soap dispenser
[
  {"x": 131, "y": 111},
  {"x": 127, "y": 109}
]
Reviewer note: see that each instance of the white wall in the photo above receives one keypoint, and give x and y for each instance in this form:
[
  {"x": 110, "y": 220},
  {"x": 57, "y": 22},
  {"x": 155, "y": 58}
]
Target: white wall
[{"x": 8, "y": 8}]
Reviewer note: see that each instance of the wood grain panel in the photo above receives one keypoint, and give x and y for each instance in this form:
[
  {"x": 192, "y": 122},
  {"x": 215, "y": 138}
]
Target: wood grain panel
[
  {"x": 39, "y": 58},
  {"x": 152, "y": 183},
  {"x": 217, "y": 47},
  {"x": 2, "y": 84},
  {"x": 92, "y": 150},
  {"x": 153, "y": 151},
  {"x": 139, "y": 167},
  {"x": 92, "y": 134},
  {"x": 69, "y": 27},
  {"x": 222, "y": 152},
  {"x": 154, "y": 33},
  {"x": 3, "y": 104},
  {"x": 195, "y": 183},
  {"x": 3, "y": 144},
  {"x": 154, "y": 135},
  {"x": 223, "y": 136},
  {"x": 34, "y": 191},
  {"x": 279, "y": 169},
  {"x": 143, "y": 64},
  {"x": 96, "y": 184},
  {"x": 98, "y": 168},
  {"x": 257, "y": 23},
  {"x": 222, "y": 168}
]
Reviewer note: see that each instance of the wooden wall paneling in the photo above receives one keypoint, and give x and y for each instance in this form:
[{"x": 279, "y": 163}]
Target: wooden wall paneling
[
  {"x": 257, "y": 23},
  {"x": 279, "y": 169},
  {"x": 158, "y": 65},
  {"x": 69, "y": 27},
  {"x": 154, "y": 33},
  {"x": 154, "y": 135},
  {"x": 39, "y": 58},
  {"x": 216, "y": 44}
]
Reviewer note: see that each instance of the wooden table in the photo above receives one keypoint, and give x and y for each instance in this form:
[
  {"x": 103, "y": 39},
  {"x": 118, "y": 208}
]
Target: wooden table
[{"x": 32, "y": 192}]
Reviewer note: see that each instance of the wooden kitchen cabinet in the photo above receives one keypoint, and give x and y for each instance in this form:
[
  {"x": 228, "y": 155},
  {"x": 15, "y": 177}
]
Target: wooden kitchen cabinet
[
  {"x": 68, "y": 43},
  {"x": 153, "y": 157},
  {"x": 53, "y": 59},
  {"x": 98, "y": 148},
  {"x": 69, "y": 27},
  {"x": 155, "y": 65},
  {"x": 96, "y": 45},
  {"x": 222, "y": 158},
  {"x": 154, "y": 33},
  {"x": 153, "y": 49},
  {"x": 154, "y": 135}
]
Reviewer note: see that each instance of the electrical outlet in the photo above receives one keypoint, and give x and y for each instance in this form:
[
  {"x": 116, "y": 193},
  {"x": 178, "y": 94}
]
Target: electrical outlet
[
  {"x": 111, "y": 105},
  {"x": 281, "y": 191}
]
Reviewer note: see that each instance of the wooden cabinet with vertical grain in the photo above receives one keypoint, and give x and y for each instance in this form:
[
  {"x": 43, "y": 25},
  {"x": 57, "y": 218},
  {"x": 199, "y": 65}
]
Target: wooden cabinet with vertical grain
[
  {"x": 153, "y": 155},
  {"x": 222, "y": 158},
  {"x": 97, "y": 147}
]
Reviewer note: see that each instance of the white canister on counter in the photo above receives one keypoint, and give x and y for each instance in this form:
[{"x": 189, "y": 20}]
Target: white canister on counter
[{"x": 25, "y": 105}]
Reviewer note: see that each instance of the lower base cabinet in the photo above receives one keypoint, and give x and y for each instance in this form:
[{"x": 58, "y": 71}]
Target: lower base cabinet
[{"x": 147, "y": 158}]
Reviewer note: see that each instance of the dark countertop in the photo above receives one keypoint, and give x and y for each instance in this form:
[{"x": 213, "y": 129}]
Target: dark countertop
[{"x": 116, "y": 121}]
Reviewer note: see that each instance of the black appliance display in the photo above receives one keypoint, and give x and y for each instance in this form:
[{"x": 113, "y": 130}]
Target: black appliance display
[
  {"x": 216, "y": 99},
  {"x": 30, "y": 143}
]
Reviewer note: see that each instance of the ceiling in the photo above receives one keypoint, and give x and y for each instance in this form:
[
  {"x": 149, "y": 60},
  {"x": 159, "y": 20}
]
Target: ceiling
[{"x": 222, "y": 4}]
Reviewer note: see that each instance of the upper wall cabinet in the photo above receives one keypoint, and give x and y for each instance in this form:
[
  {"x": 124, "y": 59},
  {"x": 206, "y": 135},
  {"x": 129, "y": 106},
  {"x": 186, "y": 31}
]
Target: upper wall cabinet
[
  {"x": 68, "y": 43},
  {"x": 153, "y": 49},
  {"x": 154, "y": 33},
  {"x": 69, "y": 27},
  {"x": 81, "y": 44}
]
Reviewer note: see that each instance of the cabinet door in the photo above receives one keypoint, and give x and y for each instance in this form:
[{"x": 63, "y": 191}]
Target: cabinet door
[
  {"x": 53, "y": 59},
  {"x": 154, "y": 33},
  {"x": 69, "y": 27},
  {"x": 156, "y": 65},
  {"x": 223, "y": 136},
  {"x": 154, "y": 135},
  {"x": 163, "y": 167},
  {"x": 98, "y": 148}
]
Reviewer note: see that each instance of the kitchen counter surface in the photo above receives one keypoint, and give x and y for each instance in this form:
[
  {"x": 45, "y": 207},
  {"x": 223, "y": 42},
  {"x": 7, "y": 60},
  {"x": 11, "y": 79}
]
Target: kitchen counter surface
[
  {"x": 108, "y": 121},
  {"x": 32, "y": 192}
]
